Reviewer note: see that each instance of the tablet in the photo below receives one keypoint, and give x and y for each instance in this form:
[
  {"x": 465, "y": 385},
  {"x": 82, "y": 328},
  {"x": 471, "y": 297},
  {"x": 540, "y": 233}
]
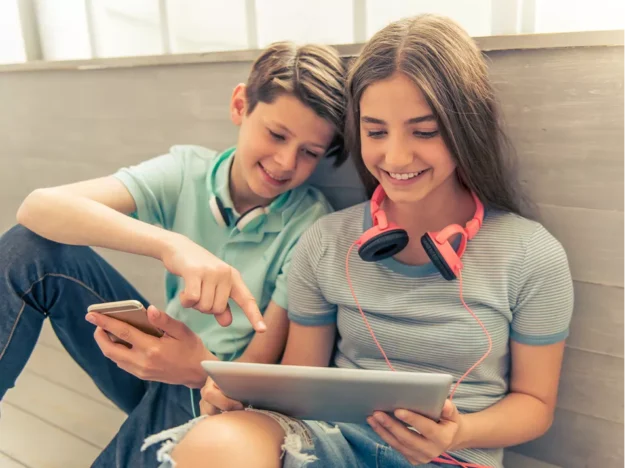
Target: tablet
[{"x": 330, "y": 393}]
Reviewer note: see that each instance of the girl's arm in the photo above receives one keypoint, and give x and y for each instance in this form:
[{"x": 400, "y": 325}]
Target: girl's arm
[
  {"x": 527, "y": 411},
  {"x": 306, "y": 346},
  {"x": 266, "y": 348},
  {"x": 309, "y": 345}
]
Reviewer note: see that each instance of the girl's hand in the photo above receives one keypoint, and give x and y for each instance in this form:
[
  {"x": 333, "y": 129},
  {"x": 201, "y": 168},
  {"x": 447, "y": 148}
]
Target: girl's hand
[
  {"x": 427, "y": 442},
  {"x": 209, "y": 282},
  {"x": 214, "y": 401}
]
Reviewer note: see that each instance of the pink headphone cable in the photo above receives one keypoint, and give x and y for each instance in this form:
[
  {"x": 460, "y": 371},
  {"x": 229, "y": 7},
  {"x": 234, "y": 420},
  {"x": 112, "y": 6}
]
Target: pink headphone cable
[{"x": 444, "y": 458}]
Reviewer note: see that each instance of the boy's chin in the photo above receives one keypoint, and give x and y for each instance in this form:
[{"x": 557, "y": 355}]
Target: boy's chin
[{"x": 265, "y": 192}]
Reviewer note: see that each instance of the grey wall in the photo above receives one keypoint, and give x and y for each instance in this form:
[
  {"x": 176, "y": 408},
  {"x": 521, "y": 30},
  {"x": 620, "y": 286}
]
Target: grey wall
[{"x": 564, "y": 109}]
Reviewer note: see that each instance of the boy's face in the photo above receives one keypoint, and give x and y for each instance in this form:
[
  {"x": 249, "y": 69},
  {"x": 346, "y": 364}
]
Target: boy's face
[{"x": 279, "y": 145}]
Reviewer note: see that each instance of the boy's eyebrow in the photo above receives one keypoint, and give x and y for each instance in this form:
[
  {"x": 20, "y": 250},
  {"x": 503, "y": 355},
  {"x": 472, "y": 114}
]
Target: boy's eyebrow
[
  {"x": 283, "y": 128},
  {"x": 318, "y": 145},
  {"x": 414, "y": 120}
]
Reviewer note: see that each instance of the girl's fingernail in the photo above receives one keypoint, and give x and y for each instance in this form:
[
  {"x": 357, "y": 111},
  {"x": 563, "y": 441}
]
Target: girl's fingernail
[{"x": 90, "y": 318}]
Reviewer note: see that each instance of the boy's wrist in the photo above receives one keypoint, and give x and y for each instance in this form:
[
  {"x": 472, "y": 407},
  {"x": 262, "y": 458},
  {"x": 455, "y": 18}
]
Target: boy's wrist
[{"x": 164, "y": 243}]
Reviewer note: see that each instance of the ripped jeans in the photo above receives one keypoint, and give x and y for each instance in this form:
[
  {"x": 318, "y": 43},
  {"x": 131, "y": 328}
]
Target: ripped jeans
[
  {"x": 309, "y": 444},
  {"x": 42, "y": 279}
]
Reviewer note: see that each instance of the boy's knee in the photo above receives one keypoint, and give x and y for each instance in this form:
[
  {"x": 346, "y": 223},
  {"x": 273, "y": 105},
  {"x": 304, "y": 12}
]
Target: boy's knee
[
  {"x": 20, "y": 246},
  {"x": 21, "y": 242},
  {"x": 236, "y": 439}
]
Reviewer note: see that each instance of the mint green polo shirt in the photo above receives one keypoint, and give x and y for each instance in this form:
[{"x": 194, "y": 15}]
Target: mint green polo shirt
[{"x": 173, "y": 191}]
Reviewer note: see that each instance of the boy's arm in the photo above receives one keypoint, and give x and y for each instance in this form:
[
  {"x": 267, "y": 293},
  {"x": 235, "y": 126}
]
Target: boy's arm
[
  {"x": 267, "y": 347},
  {"x": 92, "y": 213}
]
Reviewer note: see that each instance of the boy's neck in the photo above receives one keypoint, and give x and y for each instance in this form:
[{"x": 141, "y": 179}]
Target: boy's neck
[{"x": 243, "y": 198}]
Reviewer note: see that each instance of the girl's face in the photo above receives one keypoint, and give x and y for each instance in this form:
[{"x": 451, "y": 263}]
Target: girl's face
[{"x": 401, "y": 144}]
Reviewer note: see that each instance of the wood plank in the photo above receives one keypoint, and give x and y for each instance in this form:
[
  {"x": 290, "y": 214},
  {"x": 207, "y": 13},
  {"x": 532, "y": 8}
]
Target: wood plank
[
  {"x": 597, "y": 322},
  {"x": 39, "y": 171},
  {"x": 516, "y": 460},
  {"x": 578, "y": 441},
  {"x": 37, "y": 444},
  {"x": 80, "y": 416},
  {"x": 58, "y": 367},
  {"x": 592, "y": 384},
  {"x": 564, "y": 112},
  {"x": 48, "y": 338},
  {"x": 140, "y": 112},
  {"x": 7, "y": 462},
  {"x": 561, "y": 106},
  {"x": 592, "y": 239},
  {"x": 146, "y": 274}
]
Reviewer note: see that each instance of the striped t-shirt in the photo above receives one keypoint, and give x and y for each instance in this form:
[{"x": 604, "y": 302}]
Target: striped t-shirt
[{"x": 516, "y": 279}]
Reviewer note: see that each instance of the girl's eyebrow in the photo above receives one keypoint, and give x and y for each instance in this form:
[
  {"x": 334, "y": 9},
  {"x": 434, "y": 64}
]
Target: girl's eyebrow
[{"x": 414, "y": 120}]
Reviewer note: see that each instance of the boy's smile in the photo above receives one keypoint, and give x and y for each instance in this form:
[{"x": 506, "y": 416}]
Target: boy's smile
[{"x": 279, "y": 147}]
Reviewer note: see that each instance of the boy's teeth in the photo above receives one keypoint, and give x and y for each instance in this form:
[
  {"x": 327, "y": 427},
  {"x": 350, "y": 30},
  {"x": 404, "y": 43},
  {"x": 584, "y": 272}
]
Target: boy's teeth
[
  {"x": 273, "y": 176},
  {"x": 405, "y": 175}
]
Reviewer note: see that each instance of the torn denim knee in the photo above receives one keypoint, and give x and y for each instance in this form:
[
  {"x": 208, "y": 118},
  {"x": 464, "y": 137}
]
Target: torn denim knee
[
  {"x": 298, "y": 437},
  {"x": 170, "y": 439}
]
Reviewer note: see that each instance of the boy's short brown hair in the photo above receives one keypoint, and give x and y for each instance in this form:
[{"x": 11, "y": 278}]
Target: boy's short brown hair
[{"x": 314, "y": 74}]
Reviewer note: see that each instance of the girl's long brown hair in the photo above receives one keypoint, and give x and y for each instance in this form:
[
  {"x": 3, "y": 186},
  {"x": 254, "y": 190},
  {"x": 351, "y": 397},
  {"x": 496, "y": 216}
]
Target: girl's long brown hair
[{"x": 446, "y": 65}]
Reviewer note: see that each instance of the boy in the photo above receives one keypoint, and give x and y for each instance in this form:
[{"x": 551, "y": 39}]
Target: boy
[{"x": 228, "y": 223}]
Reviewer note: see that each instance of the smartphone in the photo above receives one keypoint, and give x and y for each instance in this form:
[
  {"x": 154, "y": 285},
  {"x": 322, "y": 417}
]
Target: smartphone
[{"x": 132, "y": 312}]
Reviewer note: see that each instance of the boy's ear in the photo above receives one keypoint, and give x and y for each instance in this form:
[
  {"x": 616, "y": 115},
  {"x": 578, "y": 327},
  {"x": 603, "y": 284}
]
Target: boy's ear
[{"x": 238, "y": 104}]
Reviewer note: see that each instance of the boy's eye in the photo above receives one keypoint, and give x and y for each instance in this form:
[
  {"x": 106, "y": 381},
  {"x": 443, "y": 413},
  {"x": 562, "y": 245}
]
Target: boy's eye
[
  {"x": 376, "y": 134},
  {"x": 276, "y": 136}
]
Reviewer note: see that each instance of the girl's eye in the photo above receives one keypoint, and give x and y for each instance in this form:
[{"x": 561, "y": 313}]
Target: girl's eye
[
  {"x": 376, "y": 134},
  {"x": 426, "y": 134}
]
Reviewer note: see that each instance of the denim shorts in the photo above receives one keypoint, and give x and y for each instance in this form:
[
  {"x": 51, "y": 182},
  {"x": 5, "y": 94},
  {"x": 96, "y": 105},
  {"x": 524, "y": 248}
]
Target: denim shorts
[{"x": 310, "y": 444}]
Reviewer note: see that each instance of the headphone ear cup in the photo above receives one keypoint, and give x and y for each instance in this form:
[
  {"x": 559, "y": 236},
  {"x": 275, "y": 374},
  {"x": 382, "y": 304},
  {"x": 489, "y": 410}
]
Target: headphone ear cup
[
  {"x": 380, "y": 245},
  {"x": 219, "y": 212},
  {"x": 437, "y": 258}
]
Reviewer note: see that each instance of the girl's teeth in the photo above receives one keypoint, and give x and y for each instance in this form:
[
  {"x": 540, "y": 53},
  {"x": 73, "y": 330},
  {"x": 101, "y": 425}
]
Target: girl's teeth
[{"x": 404, "y": 176}]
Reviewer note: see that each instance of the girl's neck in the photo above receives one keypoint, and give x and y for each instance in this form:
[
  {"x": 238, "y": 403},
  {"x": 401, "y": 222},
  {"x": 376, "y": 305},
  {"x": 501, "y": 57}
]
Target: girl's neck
[{"x": 448, "y": 204}]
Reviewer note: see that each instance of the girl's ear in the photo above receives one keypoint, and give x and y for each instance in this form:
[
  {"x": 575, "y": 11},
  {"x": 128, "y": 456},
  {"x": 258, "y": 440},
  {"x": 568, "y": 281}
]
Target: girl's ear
[{"x": 238, "y": 104}]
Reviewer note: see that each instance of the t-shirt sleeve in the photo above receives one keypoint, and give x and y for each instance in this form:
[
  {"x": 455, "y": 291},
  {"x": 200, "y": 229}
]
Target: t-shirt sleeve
[
  {"x": 544, "y": 305},
  {"x": 280, "y": 295},
  {"x": 155, "y": 185},
  {"x": 307, "y": 304},
  {"x": 300, "y": 223}
]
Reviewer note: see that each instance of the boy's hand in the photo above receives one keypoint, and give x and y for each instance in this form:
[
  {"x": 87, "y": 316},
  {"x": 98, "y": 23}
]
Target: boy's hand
[
  {"x": 173, "y": 358},
  {"x": 209, "y": 282},
  {"x": 214, "y": 401}
]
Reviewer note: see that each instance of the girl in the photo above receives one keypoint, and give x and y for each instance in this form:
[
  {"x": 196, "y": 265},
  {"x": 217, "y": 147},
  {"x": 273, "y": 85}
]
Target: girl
[{"x": 459, "y": 281}]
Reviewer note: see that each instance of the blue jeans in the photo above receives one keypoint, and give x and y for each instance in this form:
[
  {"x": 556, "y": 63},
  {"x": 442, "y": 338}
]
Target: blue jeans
[
  {"x": 310, "y": 444},
  {"x": 42, "y": 279}
]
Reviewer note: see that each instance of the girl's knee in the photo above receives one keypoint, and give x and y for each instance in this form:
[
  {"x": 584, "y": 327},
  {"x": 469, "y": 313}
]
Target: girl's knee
[{"x": 234, "y": 439}]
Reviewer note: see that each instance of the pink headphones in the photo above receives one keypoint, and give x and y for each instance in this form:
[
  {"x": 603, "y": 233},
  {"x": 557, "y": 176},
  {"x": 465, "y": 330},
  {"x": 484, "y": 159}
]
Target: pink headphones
[{"x": 386, "y": 239}]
